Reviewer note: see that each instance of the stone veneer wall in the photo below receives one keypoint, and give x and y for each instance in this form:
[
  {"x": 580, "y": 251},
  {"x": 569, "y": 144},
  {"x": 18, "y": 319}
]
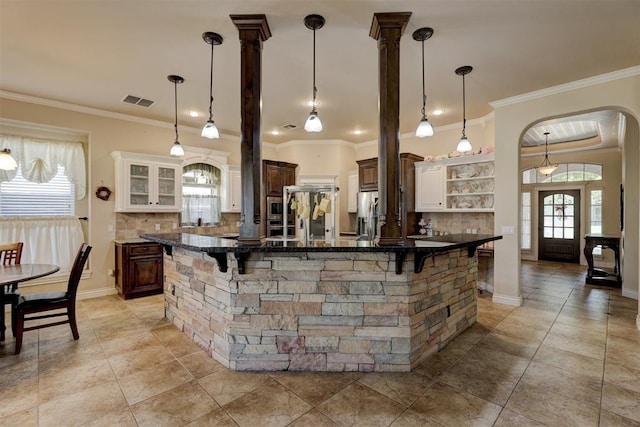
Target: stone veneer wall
[
  {"x": 131, "y": 225},
  {"x": 322, "y": 311}
]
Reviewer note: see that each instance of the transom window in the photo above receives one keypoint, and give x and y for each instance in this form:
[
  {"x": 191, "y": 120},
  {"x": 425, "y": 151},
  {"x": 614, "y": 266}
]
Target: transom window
[
  {"x": 566, "y": 172},
  {"x": 200, "y": 195}
]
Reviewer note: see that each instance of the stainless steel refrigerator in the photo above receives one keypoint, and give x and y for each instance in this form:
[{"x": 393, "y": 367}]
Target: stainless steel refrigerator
[{"x": 367, "y": 220}]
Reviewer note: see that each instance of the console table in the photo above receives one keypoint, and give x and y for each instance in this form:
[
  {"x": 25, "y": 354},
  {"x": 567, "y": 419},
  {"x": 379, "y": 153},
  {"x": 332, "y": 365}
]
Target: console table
[{"x": 596, "y": 276}]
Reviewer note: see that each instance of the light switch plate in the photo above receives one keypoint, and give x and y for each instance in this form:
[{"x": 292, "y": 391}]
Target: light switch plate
[{"x": 508, "y": 229}]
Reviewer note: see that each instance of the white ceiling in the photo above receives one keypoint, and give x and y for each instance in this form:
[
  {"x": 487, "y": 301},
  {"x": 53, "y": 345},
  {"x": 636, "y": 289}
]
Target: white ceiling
[{"x": 94, "y": 53}]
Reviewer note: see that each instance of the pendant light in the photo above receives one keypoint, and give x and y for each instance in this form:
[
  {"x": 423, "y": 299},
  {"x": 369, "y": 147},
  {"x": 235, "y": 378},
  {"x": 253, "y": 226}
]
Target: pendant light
[
  {"x": 210, "y": 130},
  {"x": 176, "y": 149},
  {"x": 464, "y": 145},
  {"x": 313, "y": 123},
  {"x": 7, "y": 162},
  {"x": 424, "y": 127},
  {"x": 546, "y": 167}
]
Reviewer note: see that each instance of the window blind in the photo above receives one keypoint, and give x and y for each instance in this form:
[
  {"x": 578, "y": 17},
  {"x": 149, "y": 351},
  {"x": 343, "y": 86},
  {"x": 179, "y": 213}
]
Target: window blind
[{"x": 20, "y": 197}]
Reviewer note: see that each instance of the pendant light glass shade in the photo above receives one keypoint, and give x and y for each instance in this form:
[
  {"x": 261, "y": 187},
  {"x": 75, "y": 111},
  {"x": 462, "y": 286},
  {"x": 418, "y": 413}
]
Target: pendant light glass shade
[
  {"x": 210, "y": 130},
  {"x": 546, "y": 167},
  {"x": 424, "y": 128},
  {"x": 313, "y": 123},
  {"x": 176, "y": 149},
  {"x": 7, "y": 162},
  {"x": 464, "y": 146}
]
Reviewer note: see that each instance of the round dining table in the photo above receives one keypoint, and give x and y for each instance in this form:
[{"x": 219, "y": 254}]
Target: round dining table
[{"x": 15, "y": 274}]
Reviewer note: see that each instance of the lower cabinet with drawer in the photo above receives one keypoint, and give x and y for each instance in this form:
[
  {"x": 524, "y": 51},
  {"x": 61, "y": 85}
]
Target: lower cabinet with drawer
[{"x": 138, "y": 269}]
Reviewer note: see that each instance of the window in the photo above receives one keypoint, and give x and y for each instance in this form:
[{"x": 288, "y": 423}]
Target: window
[
  {"x": 525, "y": 234},
  {"x": 595, "y": 216},
  {"x": 20, "y": 197},
  {"x": 200, "y": 195},
  {"x": 566, "y": 172}
]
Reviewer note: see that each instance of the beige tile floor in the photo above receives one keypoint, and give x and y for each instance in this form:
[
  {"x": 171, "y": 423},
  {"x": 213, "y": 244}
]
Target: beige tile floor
[{"x": 569, "y": 356}]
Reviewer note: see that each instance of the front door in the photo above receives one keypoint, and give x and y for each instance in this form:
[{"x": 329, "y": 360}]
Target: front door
[{"x": 559, "y": 226}]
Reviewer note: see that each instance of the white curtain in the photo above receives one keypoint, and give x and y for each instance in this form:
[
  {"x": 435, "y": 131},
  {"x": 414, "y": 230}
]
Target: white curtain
[
  {"x": 39, "y": 160},
  {"x": 47, "y": 240},
  {"x": 204, "y": 207}
]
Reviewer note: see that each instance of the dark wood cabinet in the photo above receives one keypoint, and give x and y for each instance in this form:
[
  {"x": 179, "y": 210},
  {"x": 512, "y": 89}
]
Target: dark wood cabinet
[
  {"x": 368, "y": 174},
  {"x": 138, "y": 269},
  {"x": 277, "y": 175}
]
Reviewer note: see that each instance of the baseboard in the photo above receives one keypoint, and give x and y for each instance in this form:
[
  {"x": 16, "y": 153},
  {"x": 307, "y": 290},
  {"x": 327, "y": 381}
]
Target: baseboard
[
  {"x": 507, "y": 300},
  {"x": 95, "y": 293},
  {"x": 630, "y": 294}
]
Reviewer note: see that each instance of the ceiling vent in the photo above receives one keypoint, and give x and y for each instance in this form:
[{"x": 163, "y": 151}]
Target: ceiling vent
[{"x": 136, "y": 100}]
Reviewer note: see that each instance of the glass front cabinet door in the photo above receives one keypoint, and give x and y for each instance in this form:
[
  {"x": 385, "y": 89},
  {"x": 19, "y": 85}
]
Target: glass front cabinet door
[{"x": 147, "y": 183}]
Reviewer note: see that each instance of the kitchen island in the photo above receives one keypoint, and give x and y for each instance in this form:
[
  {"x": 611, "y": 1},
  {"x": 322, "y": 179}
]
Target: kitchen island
[{"x": 322, "y": 306}]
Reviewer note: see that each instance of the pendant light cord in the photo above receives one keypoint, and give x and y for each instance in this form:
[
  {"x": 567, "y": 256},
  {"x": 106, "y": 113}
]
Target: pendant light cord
[
  {"x": 175, "y": 104},
  {"x": 464, "y": 108},
  {"x": 424, "y": 94},
  {"x": 315, "y": 89},
  {"x": 211, "y": 86}
]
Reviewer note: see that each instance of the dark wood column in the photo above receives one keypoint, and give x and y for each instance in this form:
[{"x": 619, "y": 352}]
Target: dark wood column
[
  {"x": 387, "y": 28},
  {"x": 253, "y": 30}
]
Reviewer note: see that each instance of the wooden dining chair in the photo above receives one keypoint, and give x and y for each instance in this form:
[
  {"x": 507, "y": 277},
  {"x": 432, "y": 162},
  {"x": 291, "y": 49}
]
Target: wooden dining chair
[
  {"x": 10, "y": 254},
  {"x": 43, "y": 302}
]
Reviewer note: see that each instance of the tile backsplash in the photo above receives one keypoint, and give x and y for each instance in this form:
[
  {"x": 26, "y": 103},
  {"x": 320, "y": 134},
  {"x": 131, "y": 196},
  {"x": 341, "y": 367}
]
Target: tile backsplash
[
  {"x": 131, "y": 225},
  {"x": 460, "y": 222}
]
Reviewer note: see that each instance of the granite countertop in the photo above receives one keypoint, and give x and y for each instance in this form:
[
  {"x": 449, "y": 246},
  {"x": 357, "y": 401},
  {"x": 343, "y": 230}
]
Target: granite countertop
[
  {"x": 220, "y": 244},
  {"x": 217, "y": 247},
  {"x": 131, "y": 241}
]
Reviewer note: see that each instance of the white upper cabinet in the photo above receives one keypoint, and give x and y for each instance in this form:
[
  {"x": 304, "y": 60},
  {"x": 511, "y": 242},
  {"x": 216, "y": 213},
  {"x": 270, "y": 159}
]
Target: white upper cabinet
[
  {"x": 146, "y": 183},
  {"x": 231, "y": 189},
  {"x": 429, "y": 187},
  {"x": 352, "y": 191}
]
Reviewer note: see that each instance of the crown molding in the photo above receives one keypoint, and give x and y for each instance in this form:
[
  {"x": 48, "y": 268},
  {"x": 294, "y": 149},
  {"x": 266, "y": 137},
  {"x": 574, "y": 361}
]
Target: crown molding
[
  {"x": 566, "y": 87},
  {"x": 29, "y": 128}
]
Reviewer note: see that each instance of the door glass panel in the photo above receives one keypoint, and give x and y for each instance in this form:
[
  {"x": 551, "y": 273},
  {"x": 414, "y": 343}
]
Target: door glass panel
[
  {"x": 548, "y": 232},
  {"x": 557, "y": 233},
  {"x": 568, "y": 210},
  {"x": 138, "y": 185},
  {"x": 568, "y": 233},
  {"x": 548, "y": 221},
  {"x": 548, "y": 210},
  {"x": 548, "y": 200},
  {"x": 166, "y": 186},
  {"x": 568, "y": 221},
  {"x": 568, "y": 200}
]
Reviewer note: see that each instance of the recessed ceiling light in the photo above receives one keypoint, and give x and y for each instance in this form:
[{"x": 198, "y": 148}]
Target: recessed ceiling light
[
  {"x": 275, "y": 132},
  {"x": 194, "y": 114},
  {"x": 357, "y": 132},
  {"x": 437, "y": 112}
]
